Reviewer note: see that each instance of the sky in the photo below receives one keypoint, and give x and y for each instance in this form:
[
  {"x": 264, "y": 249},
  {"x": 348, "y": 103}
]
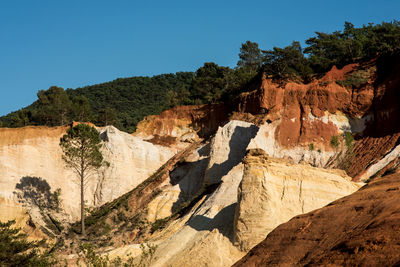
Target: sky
[{"x": 77, "y": 43}]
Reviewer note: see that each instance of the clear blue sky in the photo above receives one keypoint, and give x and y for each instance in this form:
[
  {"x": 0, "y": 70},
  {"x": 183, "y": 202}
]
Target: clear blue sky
[{"x": 77, "y": 43}]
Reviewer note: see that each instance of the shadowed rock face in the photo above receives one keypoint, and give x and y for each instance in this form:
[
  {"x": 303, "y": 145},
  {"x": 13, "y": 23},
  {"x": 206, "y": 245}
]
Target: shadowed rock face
[{"x": 358, "y": 230}]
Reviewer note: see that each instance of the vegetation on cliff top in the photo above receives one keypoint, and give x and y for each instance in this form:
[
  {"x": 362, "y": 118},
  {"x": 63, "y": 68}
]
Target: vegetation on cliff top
[{"x": 125, "y": 101}]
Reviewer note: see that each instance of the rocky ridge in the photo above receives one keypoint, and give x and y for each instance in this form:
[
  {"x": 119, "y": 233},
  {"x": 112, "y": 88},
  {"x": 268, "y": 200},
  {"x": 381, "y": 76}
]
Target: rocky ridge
[{"x": 295, "y": 122}]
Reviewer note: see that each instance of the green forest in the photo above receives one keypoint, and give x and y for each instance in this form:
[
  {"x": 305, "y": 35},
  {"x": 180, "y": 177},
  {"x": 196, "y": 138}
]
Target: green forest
[{"x": 125, "y": 101}]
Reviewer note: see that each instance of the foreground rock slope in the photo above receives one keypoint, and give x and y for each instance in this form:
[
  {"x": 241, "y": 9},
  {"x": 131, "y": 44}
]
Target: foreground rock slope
[{"x": 357, "y": 230}]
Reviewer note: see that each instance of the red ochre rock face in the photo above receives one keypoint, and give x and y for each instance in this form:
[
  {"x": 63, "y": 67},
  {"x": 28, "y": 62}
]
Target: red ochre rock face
[
  {"x": 293, "y": 102},
  {"x": 302, "y": 114},
  {"x": 200, "y": 120}
]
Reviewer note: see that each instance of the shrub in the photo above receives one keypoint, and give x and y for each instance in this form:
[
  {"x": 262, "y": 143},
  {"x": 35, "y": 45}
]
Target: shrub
[
  {"x": 356, "y": 79},
  {"x": 349, "y": 140},
  {"x": 334, "y": 141},
  {"x": 311, "y": 147}
]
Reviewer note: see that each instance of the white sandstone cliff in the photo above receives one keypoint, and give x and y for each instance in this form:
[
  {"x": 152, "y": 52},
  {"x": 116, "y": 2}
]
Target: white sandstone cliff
[{"x": 35, "y": 152}]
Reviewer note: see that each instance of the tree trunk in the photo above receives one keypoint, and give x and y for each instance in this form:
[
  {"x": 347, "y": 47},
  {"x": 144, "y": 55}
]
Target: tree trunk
[{"x": 82, "y": 207}]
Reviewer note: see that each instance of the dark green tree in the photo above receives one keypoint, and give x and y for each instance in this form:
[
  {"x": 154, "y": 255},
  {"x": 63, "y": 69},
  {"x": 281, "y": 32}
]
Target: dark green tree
[
  {"x": 15, "y": 250},
  {"x": 21, "y": 118},
  {"x": 250, "y": 56},
  {"x": 288, "y": 62},
  {"x": 54, "y": 107},
  {"x": 210, "y": 82},
  {"x": 81, "y": 152},
  {"x": 108, "y": 116},
  {"x": 81, "y": 109}
]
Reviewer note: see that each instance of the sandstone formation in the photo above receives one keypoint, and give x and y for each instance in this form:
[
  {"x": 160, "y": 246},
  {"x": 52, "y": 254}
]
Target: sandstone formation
[
  {"x": 10, "y": 210},
  {"x": 211, "y": 222},
  {"x": 357, "y": 230},
  {"x": 309, "y": 112},
  {"x": 272, "y": 191},
  {"x": 35, "y": 152}
]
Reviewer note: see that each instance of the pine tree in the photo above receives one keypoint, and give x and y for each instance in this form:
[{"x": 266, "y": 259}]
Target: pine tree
[{"x": 81, "y": 152}]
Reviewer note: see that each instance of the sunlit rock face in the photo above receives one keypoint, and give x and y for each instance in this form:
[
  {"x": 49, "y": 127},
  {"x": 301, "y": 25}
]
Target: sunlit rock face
[
  {"x": 35, "y": 152},
  {"x": 272, "y": 191}
]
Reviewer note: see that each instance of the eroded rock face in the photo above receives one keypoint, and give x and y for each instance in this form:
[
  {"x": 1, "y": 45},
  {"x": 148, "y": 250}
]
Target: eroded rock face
[
  {"x": 309, "y": 113},
  {"x": 273, "y": 190},
  {"x": 35, "y": 152},
  {"x": 357, "y": 230},
  {"x": 182, "y": 124},
  {"x": 206, "y": 166},
  {"x": 211, "y": 223},
  {"x": 298, "y": 121}
]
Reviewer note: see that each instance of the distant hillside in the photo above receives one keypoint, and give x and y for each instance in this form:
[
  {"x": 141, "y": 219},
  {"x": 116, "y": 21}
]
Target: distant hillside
[
  {"x": 125, "y": 101},
  {"x": 122, "y": 102}
]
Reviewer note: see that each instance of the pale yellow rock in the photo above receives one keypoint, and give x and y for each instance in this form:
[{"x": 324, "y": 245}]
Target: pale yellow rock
[
  {"x": 35, "y": 151},
  {"x": 209, "y": 225},
  {"x": 209, "y": 249},
  {"x": 161, "y": 206},
  {"x": 272, "y": 191}
]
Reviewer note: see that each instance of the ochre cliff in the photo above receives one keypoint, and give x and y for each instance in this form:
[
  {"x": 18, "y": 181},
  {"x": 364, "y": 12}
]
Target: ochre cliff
[
  {"x": 182, "y": 124},
  {"x": 196, "y": 178},
  {"x": 306, "y": 116},
  {"x": 311, "y": 112}
]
